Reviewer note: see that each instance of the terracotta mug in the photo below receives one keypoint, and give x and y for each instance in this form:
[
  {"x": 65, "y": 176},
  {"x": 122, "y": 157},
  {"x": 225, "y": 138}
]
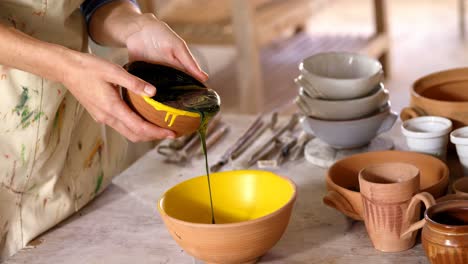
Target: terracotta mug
[
  {"x": 391, "y": 200},
  {"x": 445, "y": 232}
]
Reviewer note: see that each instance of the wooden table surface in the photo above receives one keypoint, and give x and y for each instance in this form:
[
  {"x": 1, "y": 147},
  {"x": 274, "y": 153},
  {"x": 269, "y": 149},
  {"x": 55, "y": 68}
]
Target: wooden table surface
[{"x": 123, "y": 226}]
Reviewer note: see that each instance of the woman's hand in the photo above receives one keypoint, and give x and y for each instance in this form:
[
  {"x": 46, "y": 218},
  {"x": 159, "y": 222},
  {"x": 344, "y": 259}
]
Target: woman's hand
[
  {"x": 154, "y": 41},
  {"x": 93, "y": 82}
]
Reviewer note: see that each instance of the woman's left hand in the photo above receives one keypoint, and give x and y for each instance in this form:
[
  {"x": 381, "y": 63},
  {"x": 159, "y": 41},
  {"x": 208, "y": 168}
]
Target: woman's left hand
[{"x": 156, "y": 42}]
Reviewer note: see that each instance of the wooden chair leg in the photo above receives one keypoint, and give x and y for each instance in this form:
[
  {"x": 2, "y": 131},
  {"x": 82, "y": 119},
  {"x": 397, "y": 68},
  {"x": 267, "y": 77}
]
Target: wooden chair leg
[
  {"x": 381, "y": 27},
  {"x": 249, "y": 73},
  {"x": 461, "y": 18}
]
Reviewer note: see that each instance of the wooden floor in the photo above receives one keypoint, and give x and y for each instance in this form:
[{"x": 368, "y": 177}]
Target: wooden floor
[{"x": 424, "y": 35}]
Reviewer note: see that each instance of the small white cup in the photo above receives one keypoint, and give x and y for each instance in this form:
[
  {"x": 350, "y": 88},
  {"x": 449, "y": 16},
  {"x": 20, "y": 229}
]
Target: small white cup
[
  {"x": 459, "y": 137},
  {"x": 428, "y": 134}
]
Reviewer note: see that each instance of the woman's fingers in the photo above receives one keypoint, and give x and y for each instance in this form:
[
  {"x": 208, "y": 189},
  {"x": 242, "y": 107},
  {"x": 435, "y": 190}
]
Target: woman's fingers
[
  {"x": 139, "y": 126},
  {"x": 184, "y": 56},
  {"x": 121, "y": 77}
]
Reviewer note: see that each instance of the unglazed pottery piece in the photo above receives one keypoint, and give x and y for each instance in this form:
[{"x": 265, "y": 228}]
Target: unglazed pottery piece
[
  {"x": 252, "y": 210},
  {"x": 351, "y": 133},
  {"x": 343, "y": 181},
  {"x": 459, "y": 137},
  {"x": 445, "y": 233},
  {"x": 344, "y": 109},
  {"x": 390, "y": 197},
  {"x": 340, "y": 75},
  {"x": 460, "y": 186},
  {"x": 427, "y": 134},
  {"x": 443, "y": 94}
]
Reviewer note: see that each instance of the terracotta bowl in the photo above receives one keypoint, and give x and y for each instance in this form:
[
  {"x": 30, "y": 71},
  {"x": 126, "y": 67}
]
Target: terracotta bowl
[
  {"x": 179, "y": 121},
  {"x": 343, "y": 178},
  {"x": 443, "y": 94},
  {"x": 251, "y": 208}
]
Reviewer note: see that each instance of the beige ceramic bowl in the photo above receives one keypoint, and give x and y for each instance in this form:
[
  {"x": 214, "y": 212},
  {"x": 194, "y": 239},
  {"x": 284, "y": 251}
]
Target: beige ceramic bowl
[
  {"x": 443, "y": 94},
  {"x": 251, "y": 208},
  {"x": 341, "y": 75},
  {"x": 344, "y": 109},
  {"x": 343, "y": 178}
]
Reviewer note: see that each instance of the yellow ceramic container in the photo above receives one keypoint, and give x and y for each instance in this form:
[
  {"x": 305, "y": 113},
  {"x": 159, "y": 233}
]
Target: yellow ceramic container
[{"x": 252, "y": 210}]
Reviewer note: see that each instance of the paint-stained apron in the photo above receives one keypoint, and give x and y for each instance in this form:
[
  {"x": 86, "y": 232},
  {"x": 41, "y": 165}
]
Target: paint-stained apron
[{"x": 53, "y": 157}]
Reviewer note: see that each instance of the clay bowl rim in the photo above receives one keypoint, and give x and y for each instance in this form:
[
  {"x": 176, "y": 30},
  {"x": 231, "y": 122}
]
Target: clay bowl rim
[
  {"x": 447, "y": 205},
  {"x": 378, "y": 90},
  {"x": 458, "y": 182},
  {"x": 457, "y": 138},
  {"x": 426, "y": 134},
  {"x": 400, "y": 164},
  {"x": 384, "y": 109},
  {"x": 416, "y": 84},
  {"x": 236, "y": 224},
  {"x": 335, "y": 186},
  {"x": 378, "y": 72},
  {"x": 163, "y": 107}
]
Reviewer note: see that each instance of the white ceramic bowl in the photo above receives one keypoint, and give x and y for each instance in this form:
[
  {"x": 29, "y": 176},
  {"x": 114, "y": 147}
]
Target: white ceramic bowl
[
  {"x": 341, "y": 75},
  {"x": 351, "y": 133},
  {"x": 343, "y": 109},
  {"x": 427, "y": 134},
  {"x": 459, "y": 137}
]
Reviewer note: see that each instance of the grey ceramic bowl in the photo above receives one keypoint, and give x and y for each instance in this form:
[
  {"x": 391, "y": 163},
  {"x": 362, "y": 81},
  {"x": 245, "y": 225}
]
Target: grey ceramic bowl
[
  {"x": 340, "y": 75},
  {"x": 343, "y": 109},
  {"x": 351, "y": 133}
]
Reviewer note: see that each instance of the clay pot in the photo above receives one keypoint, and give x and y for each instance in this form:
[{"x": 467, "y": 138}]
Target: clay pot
[
  {"x": 445, "y": 233},
  {"x": 183, "y": 125},
  {"x": 443, "y": 94},
  {"x": 460, "y": 186},
  {"x": 343, "y": 178},
  {"x": 252, "y": 210}
]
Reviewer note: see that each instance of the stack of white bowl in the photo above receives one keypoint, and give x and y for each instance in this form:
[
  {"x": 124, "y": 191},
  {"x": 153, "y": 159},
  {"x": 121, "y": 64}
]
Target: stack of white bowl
[{"x": 343, "y": 98}]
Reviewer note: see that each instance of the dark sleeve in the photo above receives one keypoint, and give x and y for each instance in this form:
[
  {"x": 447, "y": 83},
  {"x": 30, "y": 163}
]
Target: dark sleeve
[{"x": 90, "y": 6}]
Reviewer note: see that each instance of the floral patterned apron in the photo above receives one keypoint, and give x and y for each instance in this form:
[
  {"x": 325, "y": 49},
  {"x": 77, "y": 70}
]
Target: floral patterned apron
[{"x": 54, "y": 158}]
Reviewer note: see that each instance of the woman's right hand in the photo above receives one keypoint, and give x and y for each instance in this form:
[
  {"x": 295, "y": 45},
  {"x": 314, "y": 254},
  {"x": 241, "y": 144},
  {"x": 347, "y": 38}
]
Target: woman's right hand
[{"x": 94, "y": 81}]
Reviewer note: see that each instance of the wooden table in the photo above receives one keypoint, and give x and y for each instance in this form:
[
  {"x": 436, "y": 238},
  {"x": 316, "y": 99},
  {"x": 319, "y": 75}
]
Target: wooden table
[{"x": 123, "y": 226}]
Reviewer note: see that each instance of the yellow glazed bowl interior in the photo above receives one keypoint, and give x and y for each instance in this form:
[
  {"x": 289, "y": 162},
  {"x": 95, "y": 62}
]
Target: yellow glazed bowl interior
[
  {"x": 237, "y": 196},
  {"x": 171, "y": 112},
  {"x": 252, "y": 210}
]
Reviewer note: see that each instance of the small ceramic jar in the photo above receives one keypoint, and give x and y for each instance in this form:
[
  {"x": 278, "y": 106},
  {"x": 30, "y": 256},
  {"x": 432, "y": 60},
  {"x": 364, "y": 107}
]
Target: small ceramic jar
[{"x": 445, "y": 234}]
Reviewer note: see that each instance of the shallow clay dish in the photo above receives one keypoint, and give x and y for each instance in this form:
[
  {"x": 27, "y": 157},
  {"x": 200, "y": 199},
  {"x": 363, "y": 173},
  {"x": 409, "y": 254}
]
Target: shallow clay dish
[
  {"x": 343, "y": 178},
  {"x": 251, "y": 208},
  {"x": 443, "y": 94}
]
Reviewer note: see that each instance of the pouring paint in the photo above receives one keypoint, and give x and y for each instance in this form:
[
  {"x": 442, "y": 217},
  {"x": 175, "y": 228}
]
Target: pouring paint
[{"x": 181, "y": 91}]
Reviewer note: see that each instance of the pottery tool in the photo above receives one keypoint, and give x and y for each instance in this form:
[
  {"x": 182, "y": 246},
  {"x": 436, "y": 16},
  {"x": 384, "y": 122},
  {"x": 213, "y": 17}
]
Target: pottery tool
[
  {"x": 298, "y": 150},
  {"x": 266, "y": 147},
  {"x": 257, "y": 133},
  {"x": 253, "y": 128},
  {"x": 285, "y": 146}
]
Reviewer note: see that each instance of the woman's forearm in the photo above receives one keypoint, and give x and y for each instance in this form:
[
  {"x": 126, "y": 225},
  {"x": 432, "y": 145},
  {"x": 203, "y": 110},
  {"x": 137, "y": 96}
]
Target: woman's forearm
[
  {"x": 23, "y": 52},
  {"x": 114, "y": 22}
]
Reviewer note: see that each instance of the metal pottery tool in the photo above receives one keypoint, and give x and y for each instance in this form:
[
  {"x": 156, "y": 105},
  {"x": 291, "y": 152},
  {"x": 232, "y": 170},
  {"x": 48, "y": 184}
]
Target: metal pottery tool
[
  {"x": 286, "y": 144},
  {"x": 266, "y": 147},
  {"x": 298, "y": 150},
  {"x": 253, "y": 128},
  {"x": 257, "y": 134}
]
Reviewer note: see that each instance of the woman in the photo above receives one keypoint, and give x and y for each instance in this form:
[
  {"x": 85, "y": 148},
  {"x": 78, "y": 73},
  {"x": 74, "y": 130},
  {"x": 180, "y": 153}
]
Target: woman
[{"x": 56, "y": 156}]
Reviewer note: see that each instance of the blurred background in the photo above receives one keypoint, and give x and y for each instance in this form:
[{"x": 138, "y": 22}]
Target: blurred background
[{"x": 251, "y": 48}]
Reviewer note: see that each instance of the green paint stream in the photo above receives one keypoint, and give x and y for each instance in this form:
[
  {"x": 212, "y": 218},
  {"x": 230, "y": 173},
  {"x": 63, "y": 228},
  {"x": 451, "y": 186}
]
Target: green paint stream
[{"x": 179, "y": 90}]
